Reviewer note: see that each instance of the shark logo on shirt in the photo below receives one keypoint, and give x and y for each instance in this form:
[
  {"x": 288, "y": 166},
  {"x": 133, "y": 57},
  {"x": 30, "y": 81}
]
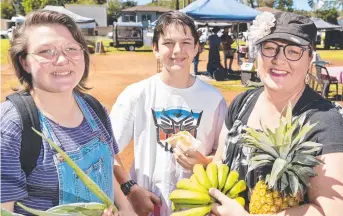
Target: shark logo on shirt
[{"x": 171, "y": 121}]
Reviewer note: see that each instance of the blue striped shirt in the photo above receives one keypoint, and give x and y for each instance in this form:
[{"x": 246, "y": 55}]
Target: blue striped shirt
[{"x": 40, "y": 189}]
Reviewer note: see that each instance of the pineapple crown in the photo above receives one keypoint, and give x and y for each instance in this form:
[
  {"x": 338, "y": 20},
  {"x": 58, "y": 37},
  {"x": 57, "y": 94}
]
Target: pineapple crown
[{"x": 288, "y": 159}]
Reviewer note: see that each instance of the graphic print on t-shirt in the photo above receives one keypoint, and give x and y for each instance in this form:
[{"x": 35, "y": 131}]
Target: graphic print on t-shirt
[{"x": 172, "y": 120}]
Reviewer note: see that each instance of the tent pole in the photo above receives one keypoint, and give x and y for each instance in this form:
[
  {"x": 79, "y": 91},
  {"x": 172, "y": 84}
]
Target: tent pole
[{"x": 238, "y": 56}]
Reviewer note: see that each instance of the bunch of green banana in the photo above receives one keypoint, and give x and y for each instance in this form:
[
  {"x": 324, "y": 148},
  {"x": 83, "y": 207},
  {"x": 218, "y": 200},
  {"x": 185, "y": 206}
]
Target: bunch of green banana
[
  {"x": 79, "y": 209},
  {"x": 192, "y": 198}
]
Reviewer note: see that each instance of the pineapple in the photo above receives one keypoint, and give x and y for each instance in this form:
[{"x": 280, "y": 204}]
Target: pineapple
[{"x": 287, "y": 160}]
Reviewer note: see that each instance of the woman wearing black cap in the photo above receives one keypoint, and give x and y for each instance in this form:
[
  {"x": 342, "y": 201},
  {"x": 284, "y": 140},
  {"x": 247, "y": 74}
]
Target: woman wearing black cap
[{"x": 285, "y": 45}]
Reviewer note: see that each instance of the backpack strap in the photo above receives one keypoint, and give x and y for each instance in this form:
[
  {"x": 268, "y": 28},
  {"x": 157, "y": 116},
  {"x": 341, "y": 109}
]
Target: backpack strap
[
  {"x": 98, "y": 108},
  {"x": 30, "y": 141}
]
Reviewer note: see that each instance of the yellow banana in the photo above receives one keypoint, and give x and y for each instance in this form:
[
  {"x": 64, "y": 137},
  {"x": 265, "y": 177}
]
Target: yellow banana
[
  {"x": 201, "y": 176},
  {"x": 239, "y": 187},
  {"x": 189, "y": 197},
  {"x": 212, "y": 174},
  {"x": 193, "y": 179},
  {"x": 187, "y": 184},
  {"x": 230, "y": 181},
  {"x": 199, "y": 211},
  {"x": 180, "y": 207},
  {"x": 240, "y": 200},
  {"x": 174, "y": 207},
  {"x": 232, "y": 196},
  {"x": 223, "y": 171}
]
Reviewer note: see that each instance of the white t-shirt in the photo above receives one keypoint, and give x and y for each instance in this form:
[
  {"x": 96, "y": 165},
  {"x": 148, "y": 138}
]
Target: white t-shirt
[{"x": 150, "y": 111}]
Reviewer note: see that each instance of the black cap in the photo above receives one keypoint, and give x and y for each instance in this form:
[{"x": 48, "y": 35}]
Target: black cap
[{"x": 294, "y": 28}]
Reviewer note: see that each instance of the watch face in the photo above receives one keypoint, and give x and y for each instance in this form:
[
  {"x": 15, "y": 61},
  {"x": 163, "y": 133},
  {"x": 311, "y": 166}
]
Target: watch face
[{"x": 126, "y": 187}]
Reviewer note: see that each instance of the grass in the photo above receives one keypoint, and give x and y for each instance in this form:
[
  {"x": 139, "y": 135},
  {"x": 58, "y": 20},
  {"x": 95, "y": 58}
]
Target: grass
[
  {"x": 109, "y": 49},
  {"x": 5, "y": 45},
  {"x": 331, "y": 55},
  {"x": 231, "y": 85}
]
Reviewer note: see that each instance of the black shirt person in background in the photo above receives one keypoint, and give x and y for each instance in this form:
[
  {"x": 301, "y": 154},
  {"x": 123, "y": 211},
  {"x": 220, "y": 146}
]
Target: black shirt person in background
[{"x": 228, "y": 51}]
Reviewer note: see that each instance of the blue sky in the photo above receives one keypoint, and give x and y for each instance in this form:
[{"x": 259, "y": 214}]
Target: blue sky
[{"x": 298, "y": 4}]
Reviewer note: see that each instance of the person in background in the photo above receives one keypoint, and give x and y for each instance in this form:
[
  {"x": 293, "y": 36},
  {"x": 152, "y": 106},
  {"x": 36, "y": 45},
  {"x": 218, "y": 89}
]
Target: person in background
[
  {"x": 51, "y": 61},
  {"x": 156, "y": 108},
  {"x": 196, "y": 58},
  {"x": 227, "y": 41},
  {"x": 213, "y": 55}
]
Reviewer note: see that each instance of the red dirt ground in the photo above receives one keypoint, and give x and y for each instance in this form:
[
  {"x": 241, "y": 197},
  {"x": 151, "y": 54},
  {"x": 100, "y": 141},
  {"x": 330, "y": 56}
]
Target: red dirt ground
[{"x": 109, "y": 75}]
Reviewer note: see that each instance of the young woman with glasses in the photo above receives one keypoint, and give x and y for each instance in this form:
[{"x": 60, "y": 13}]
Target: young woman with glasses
[
  {"x": 51, "y": 61},
  {"x": 285, "y": 45}
]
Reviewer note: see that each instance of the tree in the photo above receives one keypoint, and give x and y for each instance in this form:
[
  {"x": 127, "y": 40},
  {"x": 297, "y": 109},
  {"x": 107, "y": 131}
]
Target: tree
[
  {"x": 113, "y": 11},
  {"x": 325, "y": 4},
  {"x": 128, "y": 4},
  {"x": 30, "y": 5},
  {"x": 7, "y": 9},
  {"x": 328, "y": 15},
  {"x": 285, "y": 5},
  {"x": 177, "y": 5},
  {"x": 266, "y": 3}
]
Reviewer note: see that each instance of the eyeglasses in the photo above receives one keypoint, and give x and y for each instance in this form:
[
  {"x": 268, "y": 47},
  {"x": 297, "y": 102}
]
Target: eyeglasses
[
  {"x": 292, "y": 52},
  {"x": 49, "y": 53}
]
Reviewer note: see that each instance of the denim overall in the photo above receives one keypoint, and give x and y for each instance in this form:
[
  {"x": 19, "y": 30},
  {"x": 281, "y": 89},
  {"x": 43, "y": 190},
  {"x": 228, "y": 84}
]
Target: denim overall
[{"x": 94, "y": 158}]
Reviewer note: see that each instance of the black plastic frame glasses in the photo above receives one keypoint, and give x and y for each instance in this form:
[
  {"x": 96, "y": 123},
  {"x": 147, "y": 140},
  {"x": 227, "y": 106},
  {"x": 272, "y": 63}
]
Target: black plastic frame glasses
[{"x": 286, "y": 48}]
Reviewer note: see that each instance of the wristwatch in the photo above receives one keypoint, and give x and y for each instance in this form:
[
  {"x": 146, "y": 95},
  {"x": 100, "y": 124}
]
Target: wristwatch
[{"x": 126, "y": 187}]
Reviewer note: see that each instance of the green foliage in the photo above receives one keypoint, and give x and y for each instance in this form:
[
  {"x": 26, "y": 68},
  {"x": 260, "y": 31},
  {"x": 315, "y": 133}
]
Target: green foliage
[
  {"x": 113, "y": 11},
  {"x": 87, "y": 2},
  {"x": 266, "y": 3},
  {"x": 328, "y": 15},
  {"x": 31, "y": 5},
  {"x": 171, "y": 4},
  {"x": 284, "y": 5},
  {"x": 115, "y": 7},
  {"x": 128, "y": 4},
  {"x": 7, "y": 9},
  {"x": 303, "y": 12}
]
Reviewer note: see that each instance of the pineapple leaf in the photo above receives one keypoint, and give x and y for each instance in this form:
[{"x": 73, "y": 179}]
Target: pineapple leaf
[
  {"x": 271, "y": 135},
  {"x": 305, "y": 159},
  {"x": 302, "y": 191},
  {"x": 302, "y": 133},
  {"x": 256, "y": 164},
  {"x": 308, "y": 145},
  {"x": 302, "y": 119},
  {"x": 285, "y": 147},
  {"x": 303, "y": 173},
  {"x": 259, "y": 157},
  {"x": 284, "y": 182},
  {"x": 259, "y": 136},
  {"x": 267, "y": 178},
  {"x": 289, "y": 115},
  {"x": 310, "y": 151},
  {"x": 261, "y": 146},
  {"x": 293, "y": 182},
  {"x": 279, "y": 167},
  {"x": 279, "y": 133}
]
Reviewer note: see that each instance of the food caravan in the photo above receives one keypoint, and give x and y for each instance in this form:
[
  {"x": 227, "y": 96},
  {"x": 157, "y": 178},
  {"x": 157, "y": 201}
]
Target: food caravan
[{"x": 128, "y": 35}]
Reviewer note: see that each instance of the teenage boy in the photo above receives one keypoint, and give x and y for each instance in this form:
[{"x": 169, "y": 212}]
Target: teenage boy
[{"x": 152, "y": 110}]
